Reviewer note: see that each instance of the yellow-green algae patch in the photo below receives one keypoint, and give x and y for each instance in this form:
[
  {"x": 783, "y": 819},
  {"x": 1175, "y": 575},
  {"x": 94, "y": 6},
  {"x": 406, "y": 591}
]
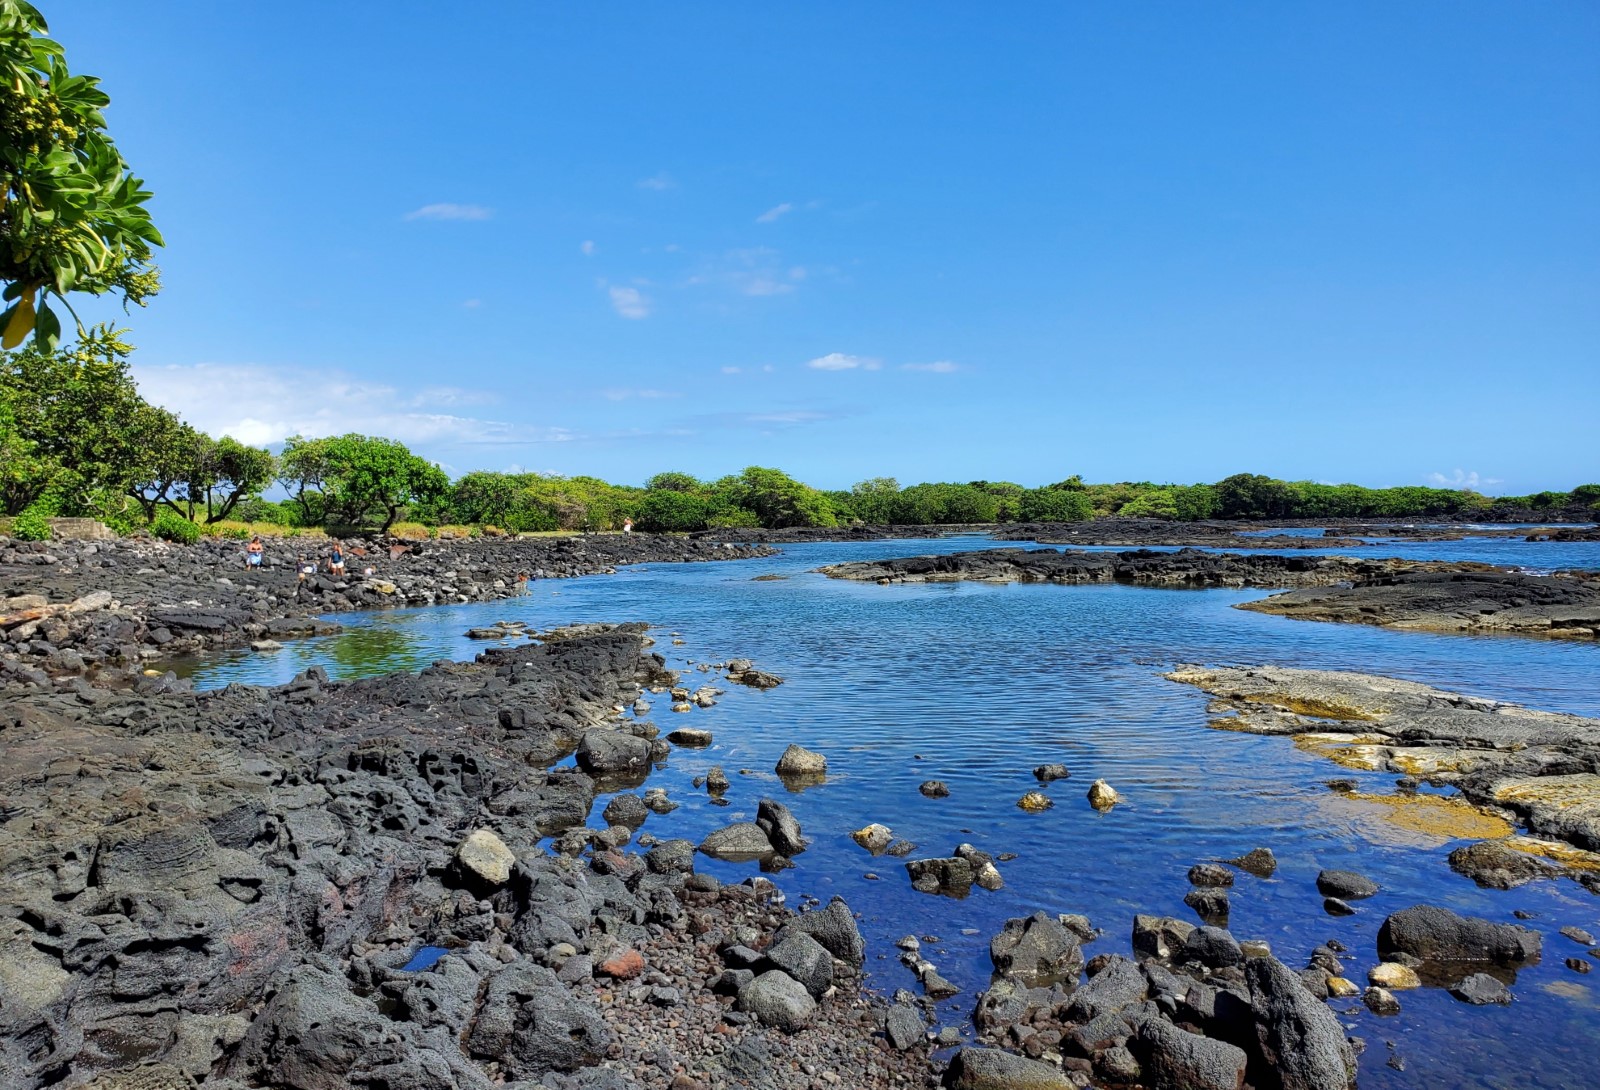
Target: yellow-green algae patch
[
  {"x": 1554, "y": 850},
  {"x": 1434, "y": 816}
]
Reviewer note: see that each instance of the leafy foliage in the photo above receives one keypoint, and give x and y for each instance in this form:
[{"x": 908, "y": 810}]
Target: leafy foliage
[
  {"x": 171, "y": 526},
  {"x": 345, "y": 479},
  {"x": 31, "y": 525},
  {"x": 72, "y": 215}
]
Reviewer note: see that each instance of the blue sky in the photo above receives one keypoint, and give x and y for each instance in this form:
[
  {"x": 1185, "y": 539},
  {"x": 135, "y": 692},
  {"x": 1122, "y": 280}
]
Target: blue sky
[{"x": 930, "y": 241}]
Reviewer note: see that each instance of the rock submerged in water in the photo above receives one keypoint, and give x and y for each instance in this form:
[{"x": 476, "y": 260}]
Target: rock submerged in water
[
  {"x": 934, "y": 789},
  {"x": 741, "y": 842},
  {"x": 1438, "y": 934},
  {"x": 1480, "y": 990},
  {"x": 799, "y": 762},
  {"x": 1102, "y": 796},
  {"x": 1050, "y": 773},
  {"x": 1393, "y": 976},
  {"x": 875, "y": 838},
  {"x": 1346, "y": 885},
  {"x": 951, "y": 877},
  {"x": 690, "y": 737},
  {"x": 1257, "y": 861},
  {"x": 1035, "y": 802}
]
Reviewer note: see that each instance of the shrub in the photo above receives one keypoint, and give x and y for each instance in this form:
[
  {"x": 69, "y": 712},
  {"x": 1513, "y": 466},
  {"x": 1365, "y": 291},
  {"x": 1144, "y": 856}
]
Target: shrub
[
  {"x": 31, "y": 525},
  {"x": 1054, "y": 505},
  {"x": 668, "y": 511},
  {"x": 410, "y": 531},
  {"x": 171, "y": 526},
  {"x": 456, "y": 532},
  {"x": 256, "y": 509},
  {"x": 733, "y": 518}
]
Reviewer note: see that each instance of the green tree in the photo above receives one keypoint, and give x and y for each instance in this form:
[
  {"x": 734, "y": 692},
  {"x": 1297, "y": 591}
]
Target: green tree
[
  {"x": 85, "y": 433},
  {"x": 779, "y": 500},
  {"x": 1055, "y": 505},
  {"x": 666, "y": 510},
  {"x": 872, "y": 500},
  {"x": 347, "y": 479},
  {"x": 72, "y": 215},
  {"x": 673, "y": 482},
  {"x": 1250, "y": 495}
]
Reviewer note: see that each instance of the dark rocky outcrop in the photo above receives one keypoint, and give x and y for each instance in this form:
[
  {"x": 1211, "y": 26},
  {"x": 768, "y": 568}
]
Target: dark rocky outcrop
[
  {"x": 1431, "y": 933},
  {"x": 110, "y": 608},
  {"x": 1565, "y": 606}
]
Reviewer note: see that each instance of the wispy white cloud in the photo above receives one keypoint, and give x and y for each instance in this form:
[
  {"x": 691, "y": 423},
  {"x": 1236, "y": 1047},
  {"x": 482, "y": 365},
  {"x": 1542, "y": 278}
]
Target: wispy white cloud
[
  {"x": 471, "y": 304},
  {"x": 754, "y": 271},
  {"x": 937, "y": 367},
  {"x": 658, "y": 182},
  {"x": 839, "y": 361},
  {"x": 775, "y": 213},
  {"x": 447, "y": 211},
  {"x": 1467, "y": 481},
  {"x": 732, "y": 370},
  {"x": 588, "y": 247},
  {"x": 629, "y": 302},
  {"x": 263, "y": 405}
]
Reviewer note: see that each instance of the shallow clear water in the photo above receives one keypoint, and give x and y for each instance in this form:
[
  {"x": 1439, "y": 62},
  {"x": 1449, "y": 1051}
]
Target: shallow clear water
[{"x": 975, "y": 684}]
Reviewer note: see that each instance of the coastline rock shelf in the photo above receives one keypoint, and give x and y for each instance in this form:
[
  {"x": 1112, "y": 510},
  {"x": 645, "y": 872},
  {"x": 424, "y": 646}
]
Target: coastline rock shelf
[
  {"x": 106, "y": 607},
  {"x": 1191, "y": 568},
  {"x": 1563, "y": 606},
  {"x": 1542, "y": 768},
  {"x": 340, "y": 884},
  {"x": 1433, "y": 596}
]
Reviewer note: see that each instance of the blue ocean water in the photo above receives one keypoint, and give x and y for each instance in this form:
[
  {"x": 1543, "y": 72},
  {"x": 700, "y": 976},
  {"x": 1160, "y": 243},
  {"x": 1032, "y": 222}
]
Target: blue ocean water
[{"x": 976, "y": 684}]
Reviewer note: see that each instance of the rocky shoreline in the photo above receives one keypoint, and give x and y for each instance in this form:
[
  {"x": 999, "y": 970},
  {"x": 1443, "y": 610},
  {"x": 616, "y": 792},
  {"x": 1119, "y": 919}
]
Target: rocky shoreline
[
  {"x": 1190, "y": 568},
  {"x": 391, "y": 883},
  {"x": 107, "y": 609},
  {"x": 1539, "y": 769},
  {"x": 230, "y": 887},
  {"x": 1431, "y": 596},
  {"x": 1565, "y": 606}
]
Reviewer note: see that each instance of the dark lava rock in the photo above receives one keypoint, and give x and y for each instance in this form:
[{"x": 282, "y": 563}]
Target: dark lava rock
[
  {"x": 803, "y": 958},
  {"x": 1492, "y": 865},
  {"x": 1169, "y": 1057},
  {"x": 1300, "y": 1038},
  {"x": 776, "y": 820},
  {"x": 1257, "y": 861},
  {"x": 1160, "y": 937},
  {"x": 1346, "y": 885},
  {"x": 1038, "y": 950},
  {"x": 1211, "y": 905},
  {"x": 1210, "y": 875},
  {"x": 935, "y": 789},
  {"x": 1333, "y": 906},
  {"x": 741, "y": 842},
  {"x": 628, "y": 810},
  {"x": 835, "y": 928},
  {"x": 1437, "y": 934},
  {"x": 1212, "y": 947},
  {"x": 904, "y": 1027},
  {"x": 951, "y": 876},
  {"x": 611, "y": 751},
  {"x": 1578, "y": 935},
  {"x": 993, "y": 1069},
  {"x": 1481, "y": 989},
  {"x": 1051, "y": 773},
  {"x": 776, "y": 999},
  {"x": 1119, "y": 984}
]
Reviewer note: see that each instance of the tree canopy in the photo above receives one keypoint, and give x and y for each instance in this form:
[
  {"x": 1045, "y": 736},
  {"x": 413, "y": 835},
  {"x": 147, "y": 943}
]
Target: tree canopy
[{"x": 72, "y": 215}]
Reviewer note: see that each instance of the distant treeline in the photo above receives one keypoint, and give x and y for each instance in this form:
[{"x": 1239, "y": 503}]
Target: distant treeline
[{"x": 76, "y": 438}]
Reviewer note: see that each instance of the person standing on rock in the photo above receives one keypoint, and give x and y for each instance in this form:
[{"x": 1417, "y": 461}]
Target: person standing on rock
[
  {"x": 336, "y": 560},
  {"x": 627, "y": 525},
  {"x": 254, "y": 552}
]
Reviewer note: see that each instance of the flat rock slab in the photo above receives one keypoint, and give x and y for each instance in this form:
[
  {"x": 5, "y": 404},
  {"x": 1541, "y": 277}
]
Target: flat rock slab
[
  {"x": 1497, "y": 753},
  {"x": 1513, "y": 603}
]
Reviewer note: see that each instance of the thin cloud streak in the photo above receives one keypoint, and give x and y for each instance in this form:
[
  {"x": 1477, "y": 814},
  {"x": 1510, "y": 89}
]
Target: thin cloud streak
[
  {"x": 630, "y": 303},
  {"x": 449, "y": 211},
  {"x": 839, "y": 361},
  {"x": 774, "y": 214},
  {"x": 938, "y": 367}
]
